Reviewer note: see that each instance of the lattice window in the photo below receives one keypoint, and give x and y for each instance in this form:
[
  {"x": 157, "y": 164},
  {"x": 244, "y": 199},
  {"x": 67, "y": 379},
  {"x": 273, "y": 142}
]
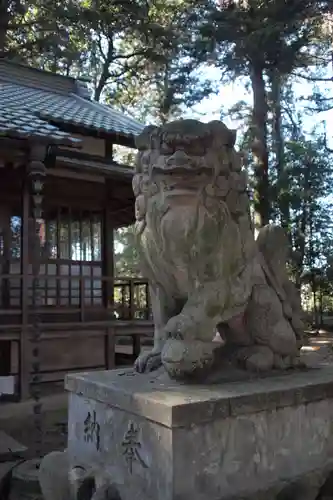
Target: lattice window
[
  {"x": 73, "y": 252},
  {"x": 71, "y": 267},
  {"x": 16, "y": 228}
]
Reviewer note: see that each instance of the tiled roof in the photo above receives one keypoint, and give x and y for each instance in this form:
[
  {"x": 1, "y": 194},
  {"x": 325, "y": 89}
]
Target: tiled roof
[
  {"x": 60, "y": 100},
  {"x": 21, "y": 123}
]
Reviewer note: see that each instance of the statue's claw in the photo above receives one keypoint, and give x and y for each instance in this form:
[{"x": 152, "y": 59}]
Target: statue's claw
[{"x": 148, "y": 362}]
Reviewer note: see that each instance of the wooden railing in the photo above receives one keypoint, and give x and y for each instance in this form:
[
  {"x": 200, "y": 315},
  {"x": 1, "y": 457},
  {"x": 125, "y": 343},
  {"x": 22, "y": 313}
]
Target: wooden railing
[
  {"x": 131, "y": 298},
  {"x": 86, "y": 297}
]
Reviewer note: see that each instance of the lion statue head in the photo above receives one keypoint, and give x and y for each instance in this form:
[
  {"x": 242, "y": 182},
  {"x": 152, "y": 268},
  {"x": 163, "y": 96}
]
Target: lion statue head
[{"x": 191, "y": 196}]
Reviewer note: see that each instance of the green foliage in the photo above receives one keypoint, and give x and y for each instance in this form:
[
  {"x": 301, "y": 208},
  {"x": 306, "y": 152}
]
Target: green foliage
[
  {"x": 164, "y": 75},
  {"x": 272, "y": 34},
  {"x": 310, "y": 172},
  {"x": 126, "y": 255},
  {"x": 44, "y": 34}
]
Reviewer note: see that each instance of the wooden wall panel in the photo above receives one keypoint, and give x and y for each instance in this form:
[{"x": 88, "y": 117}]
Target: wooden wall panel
[
  {"x": 59, "y": 192},
  {"x": 15, "y": 357},
  {"x": 71, "y": 353},
  {"x": 66, "y": 354},
  {"x": 88, "y": 145}
]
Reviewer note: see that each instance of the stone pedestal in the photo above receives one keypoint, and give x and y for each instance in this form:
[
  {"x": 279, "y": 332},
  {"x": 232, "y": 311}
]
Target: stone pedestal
[{"x": 159, "y": 440}]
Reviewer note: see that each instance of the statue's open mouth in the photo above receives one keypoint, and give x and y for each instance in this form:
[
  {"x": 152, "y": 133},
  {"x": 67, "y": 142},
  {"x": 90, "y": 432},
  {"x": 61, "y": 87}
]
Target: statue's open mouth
[
  {"x": 174, "y": 184},
  {"x": 185, "y": 170},
  {"x": 180, "y": 174},
  {"x": 181, "y": 178},
  {"x": 179, "y": 191}
]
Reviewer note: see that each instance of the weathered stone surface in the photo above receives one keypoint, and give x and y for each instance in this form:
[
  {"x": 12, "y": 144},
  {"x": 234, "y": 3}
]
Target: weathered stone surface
[
  {"x": 54, "y": 476},
  {"x": 204, "y": 267},
  {"x": 10, "y": 448},
  {"x": 157, "y": 439},
  {"x": 25, "y": 482}
]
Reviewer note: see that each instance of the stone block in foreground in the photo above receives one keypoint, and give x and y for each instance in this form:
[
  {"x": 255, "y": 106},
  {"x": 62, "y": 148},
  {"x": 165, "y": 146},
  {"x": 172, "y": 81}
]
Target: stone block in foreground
[{"x": 160, "y": 440}]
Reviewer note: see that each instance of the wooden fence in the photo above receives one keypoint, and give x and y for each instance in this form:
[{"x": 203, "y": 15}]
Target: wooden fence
[{"x": 80, "y": 298}]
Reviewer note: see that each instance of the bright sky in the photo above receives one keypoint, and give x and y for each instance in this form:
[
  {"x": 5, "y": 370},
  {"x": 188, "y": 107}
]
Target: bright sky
[{"x": 210, "y": 108}]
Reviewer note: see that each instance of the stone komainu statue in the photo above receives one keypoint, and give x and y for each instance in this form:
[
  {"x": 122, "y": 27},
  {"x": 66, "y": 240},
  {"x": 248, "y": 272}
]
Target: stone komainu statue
[{"x": 205, "y": 269}]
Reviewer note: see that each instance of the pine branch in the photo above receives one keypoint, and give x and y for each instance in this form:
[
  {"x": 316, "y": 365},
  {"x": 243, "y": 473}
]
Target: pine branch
[{"x": 313, "y": 78}]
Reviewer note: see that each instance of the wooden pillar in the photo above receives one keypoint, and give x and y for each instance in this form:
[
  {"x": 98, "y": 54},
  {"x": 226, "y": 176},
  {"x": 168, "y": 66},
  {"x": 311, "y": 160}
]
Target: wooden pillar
[
  {"x": 110, "y": 348},
  {"x": 108, "y": 260},
  {"x": 108, "y": 288},
  {"x": 5, "y": 345},
  {"x": 25, "y": 348},
  {"x": 108, "y": 285},
  {"x": 6, "y": 258},
  {"x": 108, "y": 151},
  {"x": 36, "y": 176},
  {"x": 31, "y": 206}
]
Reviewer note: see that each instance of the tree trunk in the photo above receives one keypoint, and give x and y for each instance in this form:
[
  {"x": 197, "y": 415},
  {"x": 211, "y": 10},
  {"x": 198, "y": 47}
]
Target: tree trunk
[
  {"x": 278, "y": 148},
  {"x": 105, "y": 74},
  {"x": 304, "y": 226},
  {"x": 321, "y": 308},
  {"x": 101, "y": 82},
  {"x": 259, "y": 147},
  {"x": 166, "y": 97}
]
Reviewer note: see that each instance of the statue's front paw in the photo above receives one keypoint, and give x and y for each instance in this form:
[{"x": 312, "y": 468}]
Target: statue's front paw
[
  {"x": 148, "y": 361},
  {"x": 256, "y": 358},
  {"x": 188, "y": 359}
]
